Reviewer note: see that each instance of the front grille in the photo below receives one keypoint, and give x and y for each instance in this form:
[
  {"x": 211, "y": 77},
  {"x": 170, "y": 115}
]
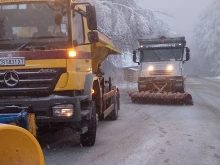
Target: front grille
[
  {"x": 29, "y": 81},
  {"x": 160, "y": 72}
]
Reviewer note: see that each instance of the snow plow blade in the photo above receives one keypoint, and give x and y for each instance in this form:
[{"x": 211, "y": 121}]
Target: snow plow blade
[
  {"x": 146, "y": 97},
  {"x": 18, "y": 146}
]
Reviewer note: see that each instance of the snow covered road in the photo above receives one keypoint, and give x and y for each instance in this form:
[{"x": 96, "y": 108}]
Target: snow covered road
[{"x": 151, "y": 134}]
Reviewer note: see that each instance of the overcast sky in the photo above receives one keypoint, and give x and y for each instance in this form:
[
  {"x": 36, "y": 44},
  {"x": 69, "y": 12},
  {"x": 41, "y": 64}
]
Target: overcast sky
[{"x": 185, "y": 13}]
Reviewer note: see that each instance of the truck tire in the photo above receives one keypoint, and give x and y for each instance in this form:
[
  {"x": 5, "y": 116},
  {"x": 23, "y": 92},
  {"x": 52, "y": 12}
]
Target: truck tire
[
  {"x": 88, "y": 139},
  {"x": 114, "y": 113},
  {"x": 182, "y": 89}
]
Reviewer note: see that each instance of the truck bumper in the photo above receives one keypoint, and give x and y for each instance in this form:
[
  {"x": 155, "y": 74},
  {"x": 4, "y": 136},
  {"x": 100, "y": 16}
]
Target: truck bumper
[
  {"x": 174, "y": 83},
  {"x": 42, "y": 107}
]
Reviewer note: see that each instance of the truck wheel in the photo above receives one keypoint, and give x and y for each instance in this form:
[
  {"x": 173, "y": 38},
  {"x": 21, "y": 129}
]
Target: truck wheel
[
  {"x": 114, "y": 114},
  {"x": 88, "y": 139},
  {"x": 182, "y": 90}
]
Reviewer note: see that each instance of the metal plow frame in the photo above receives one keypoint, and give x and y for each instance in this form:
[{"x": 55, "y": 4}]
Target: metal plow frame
[{"x": 146, "y": 97}]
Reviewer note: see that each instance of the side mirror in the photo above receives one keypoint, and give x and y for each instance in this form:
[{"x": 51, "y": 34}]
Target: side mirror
[
  {"x": 187, "y": 54},
  {"x": 134, "y": 56},
  {"x": 91, "y": 17},
  {"x": 187, "y": 50},
  {"x": 93, "y": 37}
]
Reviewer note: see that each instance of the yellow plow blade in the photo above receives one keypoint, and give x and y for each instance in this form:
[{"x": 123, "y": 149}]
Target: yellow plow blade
[{"x": 18, "y": 146}]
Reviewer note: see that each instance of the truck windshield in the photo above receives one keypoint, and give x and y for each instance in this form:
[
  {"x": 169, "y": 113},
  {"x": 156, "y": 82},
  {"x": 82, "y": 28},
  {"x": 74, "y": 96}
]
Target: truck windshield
[
  {"x": 20, "y": 22},
  {"x": 154, "y": 55}
]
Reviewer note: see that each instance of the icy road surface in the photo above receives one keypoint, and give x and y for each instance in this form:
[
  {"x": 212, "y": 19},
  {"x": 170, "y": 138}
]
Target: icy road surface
[{"x": 151, "y": 134}]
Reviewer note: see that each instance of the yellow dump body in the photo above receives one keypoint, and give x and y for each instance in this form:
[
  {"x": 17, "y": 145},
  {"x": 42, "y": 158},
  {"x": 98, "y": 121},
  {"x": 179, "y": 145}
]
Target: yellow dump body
[
  {"x": 18, "y": 146},
  {"x": 101, "y": 50}
]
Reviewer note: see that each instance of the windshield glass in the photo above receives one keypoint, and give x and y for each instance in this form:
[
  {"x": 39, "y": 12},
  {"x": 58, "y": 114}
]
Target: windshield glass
[
  {"x": 20, "y": 22},
  {"x": 154, "y": 55}
]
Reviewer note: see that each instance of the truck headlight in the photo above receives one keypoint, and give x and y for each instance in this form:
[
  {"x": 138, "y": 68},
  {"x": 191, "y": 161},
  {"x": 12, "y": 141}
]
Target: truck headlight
[
  {"x": 170, "y": 67},
  {"x": 150, "y": 68},
  {"x": 65, "y": 110}
]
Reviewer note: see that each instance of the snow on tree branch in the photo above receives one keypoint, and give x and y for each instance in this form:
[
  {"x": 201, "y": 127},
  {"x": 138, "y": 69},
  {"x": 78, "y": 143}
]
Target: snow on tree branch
[
  {"x": 125, "y": 22},
  {"x": 207, "y": 34}
]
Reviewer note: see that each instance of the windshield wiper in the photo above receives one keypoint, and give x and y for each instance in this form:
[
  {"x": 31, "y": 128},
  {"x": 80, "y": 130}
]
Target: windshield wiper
[
  {"x": 173, "y": 54},
  {"x": 157, "y": 55},
  {"x": 6, "y": 39},
  {"x": 36, "y": 39}
]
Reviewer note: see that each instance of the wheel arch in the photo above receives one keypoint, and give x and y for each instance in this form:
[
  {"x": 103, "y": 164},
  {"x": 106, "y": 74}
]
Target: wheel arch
[
  {"x": 93, "y": 82},
  {"x": 90, "y": 78}
]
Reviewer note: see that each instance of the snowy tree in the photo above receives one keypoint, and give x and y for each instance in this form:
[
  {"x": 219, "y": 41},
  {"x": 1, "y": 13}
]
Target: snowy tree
[
  {"x": 207, "y": 34},
  {"x": 125, "y": 22}
]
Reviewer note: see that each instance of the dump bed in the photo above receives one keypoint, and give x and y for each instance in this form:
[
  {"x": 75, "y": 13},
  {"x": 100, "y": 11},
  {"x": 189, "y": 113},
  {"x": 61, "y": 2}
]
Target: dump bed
[{"x": 101, "y": 50}]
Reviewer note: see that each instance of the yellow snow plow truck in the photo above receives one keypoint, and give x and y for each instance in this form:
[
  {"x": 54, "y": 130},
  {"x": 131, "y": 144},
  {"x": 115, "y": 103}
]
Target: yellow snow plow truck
[{"x": 50, "y": 56}]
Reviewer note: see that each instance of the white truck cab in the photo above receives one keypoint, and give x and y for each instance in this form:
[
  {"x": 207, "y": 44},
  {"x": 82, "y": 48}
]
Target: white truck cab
[{"x": 161, "y": 64}]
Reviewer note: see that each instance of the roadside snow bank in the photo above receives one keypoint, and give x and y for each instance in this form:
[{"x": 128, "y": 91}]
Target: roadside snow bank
[
  {"x": 127, "y": 85},
  {"x": 214, "y": 78}
]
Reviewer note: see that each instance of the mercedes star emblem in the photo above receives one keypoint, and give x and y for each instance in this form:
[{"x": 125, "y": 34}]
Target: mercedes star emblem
[{"x": 11, "y": 78}]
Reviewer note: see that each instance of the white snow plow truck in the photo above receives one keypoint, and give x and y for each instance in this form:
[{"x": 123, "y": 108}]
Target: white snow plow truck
[{"x": 161, "y": 74}]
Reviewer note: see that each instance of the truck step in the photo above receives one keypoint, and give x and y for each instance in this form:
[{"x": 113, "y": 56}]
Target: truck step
[
  {"x": 85, "y": 113},
  {"x": 108, "y": 110},
  {"x": 84, "y": 129}
]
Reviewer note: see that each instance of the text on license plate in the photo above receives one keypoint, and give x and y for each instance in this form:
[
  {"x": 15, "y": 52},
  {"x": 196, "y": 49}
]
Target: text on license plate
[{"x": 12, "y": 61}]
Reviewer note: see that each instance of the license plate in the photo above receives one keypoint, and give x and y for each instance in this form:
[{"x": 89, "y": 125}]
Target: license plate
[{"x": 19, "y": 61}]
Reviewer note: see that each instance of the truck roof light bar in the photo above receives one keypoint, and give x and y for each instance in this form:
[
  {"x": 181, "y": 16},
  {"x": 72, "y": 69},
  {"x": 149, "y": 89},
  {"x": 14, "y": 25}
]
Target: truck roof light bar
[
  {"x": 163, "y": 40},
  {"x": 178, "y": 45}
]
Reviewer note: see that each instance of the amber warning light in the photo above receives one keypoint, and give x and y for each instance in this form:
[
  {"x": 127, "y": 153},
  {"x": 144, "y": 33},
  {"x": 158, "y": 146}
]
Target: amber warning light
[{"x": 72, "y": 53}]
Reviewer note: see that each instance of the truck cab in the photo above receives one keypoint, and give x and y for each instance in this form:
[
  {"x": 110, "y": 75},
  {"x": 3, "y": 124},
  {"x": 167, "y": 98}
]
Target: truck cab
[{"x": 161, "y": 64}]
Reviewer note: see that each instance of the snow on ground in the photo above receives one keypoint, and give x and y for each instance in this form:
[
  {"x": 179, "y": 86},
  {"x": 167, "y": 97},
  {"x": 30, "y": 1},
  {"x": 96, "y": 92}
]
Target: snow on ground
[
  {"x": 218, "y": 77},
  {"x": 150, "y": 134},
  {"x": 126, "y": 85},
  {"x": 214, "y": 78}
]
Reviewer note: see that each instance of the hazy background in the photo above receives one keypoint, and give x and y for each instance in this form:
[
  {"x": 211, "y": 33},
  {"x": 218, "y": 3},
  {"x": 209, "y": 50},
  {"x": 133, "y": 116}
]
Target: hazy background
[
  {"x": 182, "y": 17},
  {"x": 184, "y": 13}
]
